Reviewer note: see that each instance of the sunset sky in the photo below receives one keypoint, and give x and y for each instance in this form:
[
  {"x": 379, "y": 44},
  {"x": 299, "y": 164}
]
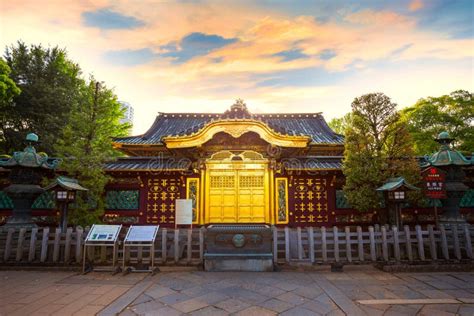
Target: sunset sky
[{"x": 279, "y": 56}]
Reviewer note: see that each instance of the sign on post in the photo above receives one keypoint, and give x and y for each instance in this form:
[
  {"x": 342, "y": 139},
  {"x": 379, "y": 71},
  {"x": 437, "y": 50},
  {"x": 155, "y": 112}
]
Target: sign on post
[
  {"x": 434, "y": 179},
  {"x": 103, "y": 236},
  {"x": 145, "y": 234},
  {"x": 107, "y": 233},
  {"x": 184, "y": 212}
]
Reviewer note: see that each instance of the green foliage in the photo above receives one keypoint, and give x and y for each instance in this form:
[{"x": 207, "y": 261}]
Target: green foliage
[
  {"x": 378, "y": 146},
  {"x": 339, "y": 125},
  {"x": 8, "y": 91},
  {"x": 430, "y": 116},
  {"x": 85, "y": 144},
  {"x": 49, "y": 84}
]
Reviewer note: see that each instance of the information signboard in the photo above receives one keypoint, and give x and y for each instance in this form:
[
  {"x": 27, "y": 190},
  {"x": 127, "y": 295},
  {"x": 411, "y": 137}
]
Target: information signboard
[
  {"x": 434, "y": 179},
  {"x": 108, "y": 233},
  {"x": 141, "y": 234},
  {"x": 184, "y": 212}
]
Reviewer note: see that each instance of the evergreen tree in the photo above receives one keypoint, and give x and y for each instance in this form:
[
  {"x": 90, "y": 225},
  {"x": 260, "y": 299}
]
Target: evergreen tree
[
  {"x": 85, "y": 144},
  {"x": 49, "y": 84},
  {"x": 378, "y": 147}
]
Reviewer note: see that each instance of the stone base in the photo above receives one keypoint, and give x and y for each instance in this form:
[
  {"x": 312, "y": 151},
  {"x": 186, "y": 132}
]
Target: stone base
[{"x": 216, "y": 264}]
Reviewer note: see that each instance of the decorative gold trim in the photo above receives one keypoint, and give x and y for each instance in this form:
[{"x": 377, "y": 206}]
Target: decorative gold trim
[
  {"x": 277, "y": 198},
  {"x": 188, "y": 183},
  {"x": 236, "y": 128}
]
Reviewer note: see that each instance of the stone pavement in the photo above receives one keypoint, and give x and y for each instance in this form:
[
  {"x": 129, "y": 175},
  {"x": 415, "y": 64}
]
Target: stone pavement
[{"x": 360, "y": 290}]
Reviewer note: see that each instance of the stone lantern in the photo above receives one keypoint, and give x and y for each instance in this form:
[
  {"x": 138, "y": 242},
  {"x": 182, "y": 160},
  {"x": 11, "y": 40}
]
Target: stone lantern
[
  {"x": 452, "y": 163},
  {"x": 27, "y": 169}
]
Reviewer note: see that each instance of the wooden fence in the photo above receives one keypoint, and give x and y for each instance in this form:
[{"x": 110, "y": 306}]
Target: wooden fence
[{"x": 312, "y": 245}]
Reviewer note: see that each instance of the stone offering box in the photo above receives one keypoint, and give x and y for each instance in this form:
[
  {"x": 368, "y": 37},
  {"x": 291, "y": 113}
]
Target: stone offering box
[{"x": 238, "y": 248}]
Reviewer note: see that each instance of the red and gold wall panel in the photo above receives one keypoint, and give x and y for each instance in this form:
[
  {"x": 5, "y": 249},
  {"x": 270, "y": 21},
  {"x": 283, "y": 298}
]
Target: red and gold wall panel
[{"x": 311, "y": 200}]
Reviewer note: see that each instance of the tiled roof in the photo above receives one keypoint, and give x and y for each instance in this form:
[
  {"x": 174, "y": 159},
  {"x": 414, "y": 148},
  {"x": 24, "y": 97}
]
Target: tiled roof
[
  {"x": 152, "y": 164},
  {"x": 313, "y": 163},
  {"x": 179, "y": 124}
]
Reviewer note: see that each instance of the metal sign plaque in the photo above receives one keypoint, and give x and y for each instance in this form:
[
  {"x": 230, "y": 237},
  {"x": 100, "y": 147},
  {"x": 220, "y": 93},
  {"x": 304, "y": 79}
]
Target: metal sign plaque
[
  {"x": 104, "y": 233},
  {"x": 184, "y": 212},
  {"x": 142, "y": 233},
  {"x": 434, "y": 179}
]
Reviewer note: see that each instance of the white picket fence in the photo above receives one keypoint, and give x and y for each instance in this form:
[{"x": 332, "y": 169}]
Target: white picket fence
[{"x": 311, "y": 245}]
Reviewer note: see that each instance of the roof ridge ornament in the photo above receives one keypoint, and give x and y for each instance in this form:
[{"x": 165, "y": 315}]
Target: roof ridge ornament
[{"x": 238, "y": 110}]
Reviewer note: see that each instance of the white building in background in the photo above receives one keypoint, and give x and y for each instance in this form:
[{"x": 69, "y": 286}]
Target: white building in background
[{"x": 128, "y": 112}]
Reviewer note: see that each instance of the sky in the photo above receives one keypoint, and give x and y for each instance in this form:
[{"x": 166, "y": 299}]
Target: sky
[{"x": 279, "y": 56}]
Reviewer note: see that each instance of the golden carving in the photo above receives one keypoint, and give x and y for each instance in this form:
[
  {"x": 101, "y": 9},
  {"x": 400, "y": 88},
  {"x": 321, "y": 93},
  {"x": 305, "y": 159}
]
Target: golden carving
[{"x": 236, "y": 129}]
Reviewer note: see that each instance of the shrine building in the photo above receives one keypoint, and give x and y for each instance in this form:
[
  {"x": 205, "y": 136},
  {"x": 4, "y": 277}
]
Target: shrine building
[{"x": 237, "y": 167}]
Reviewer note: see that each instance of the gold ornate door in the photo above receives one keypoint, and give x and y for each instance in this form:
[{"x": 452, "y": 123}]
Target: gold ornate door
[{"x": 236, "y": 192}]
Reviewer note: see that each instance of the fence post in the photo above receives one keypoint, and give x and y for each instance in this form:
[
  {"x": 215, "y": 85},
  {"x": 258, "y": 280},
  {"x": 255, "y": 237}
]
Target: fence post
[
  {"x": 378, "y": 242},
  {"x": 67, "y": 245},
  {"x": 384, "y": 243},
  {"x": 201, "y": 244},
  {"x": 300, "y": 243},
  {"x": 396, "y": 243},
  {"x": 467, "y": 237},
  {"x": 324, "y": 246},
  {"x": 457, "y": 248},
  {"x": 44, "y": 244},
  {"x": 190, "y": 245},
  {"x": 275, "y": 244},
  {"x": 373, "y": 255},
  {"x": 348, "y": 243},
  {"x": 336, "y": 243},
  {"x": 311, "y": 243},
  {"x": 287, "y": 244},
  {"x": 31, "y": 254},
  {"x": 419, "y": 238},
  {"x": 444, "y": 242},
  {"x": 360, "y": 243},
  {"x": 79, "y": 232},
  {"x": 8, "y": 244},
  {"x": 434, "y": 255},
  {"x": 408, "y": 242},
  {"x": 19, "y": 248},
  {"x": 176, "y": 245},
  {"x": 164, "y": 246},
  {"x": 57, "y": 238}
]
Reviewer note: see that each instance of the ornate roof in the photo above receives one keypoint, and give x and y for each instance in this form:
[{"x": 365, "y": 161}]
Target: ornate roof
[{"x": 312, "y": 125}]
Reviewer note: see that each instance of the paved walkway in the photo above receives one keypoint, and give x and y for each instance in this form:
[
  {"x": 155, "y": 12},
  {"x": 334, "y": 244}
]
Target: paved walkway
[{"x": 360, "y": 290}]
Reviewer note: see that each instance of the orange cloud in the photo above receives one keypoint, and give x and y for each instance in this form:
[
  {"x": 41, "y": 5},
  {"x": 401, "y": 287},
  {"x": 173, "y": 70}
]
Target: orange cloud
[{"x": 415, "y": 5}]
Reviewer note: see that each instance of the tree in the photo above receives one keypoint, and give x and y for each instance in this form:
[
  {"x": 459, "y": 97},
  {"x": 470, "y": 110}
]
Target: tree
[
  {"x": 85, "y": 144},
  {"x": 8, "y": 91},
  {"x": 430, "y": 116},
  {"x": 50, "y": 85},
  {"x": 339, "y": 125},
  {"x": 378, "y": 147}
]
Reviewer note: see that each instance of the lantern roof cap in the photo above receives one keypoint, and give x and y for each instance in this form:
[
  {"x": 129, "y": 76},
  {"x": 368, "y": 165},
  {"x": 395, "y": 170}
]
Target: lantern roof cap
[
  {"x": 395, "y": 183},
  {"x": 29, "y": 157},
  {"x": 446, "y": 156},
  {"x": 66, "y": 183}
]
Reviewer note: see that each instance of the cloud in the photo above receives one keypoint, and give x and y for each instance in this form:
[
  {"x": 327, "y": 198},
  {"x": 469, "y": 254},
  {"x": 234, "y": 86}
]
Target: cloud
[
  {"x": 327, "y": 54},
  {"x": 194, "y": 44},
  {"x": 415, "y": 5},
  {"x": 110, "y": 20},
  {"x": 129, "y": 57},
  {"x": 289, "y": 55}
]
